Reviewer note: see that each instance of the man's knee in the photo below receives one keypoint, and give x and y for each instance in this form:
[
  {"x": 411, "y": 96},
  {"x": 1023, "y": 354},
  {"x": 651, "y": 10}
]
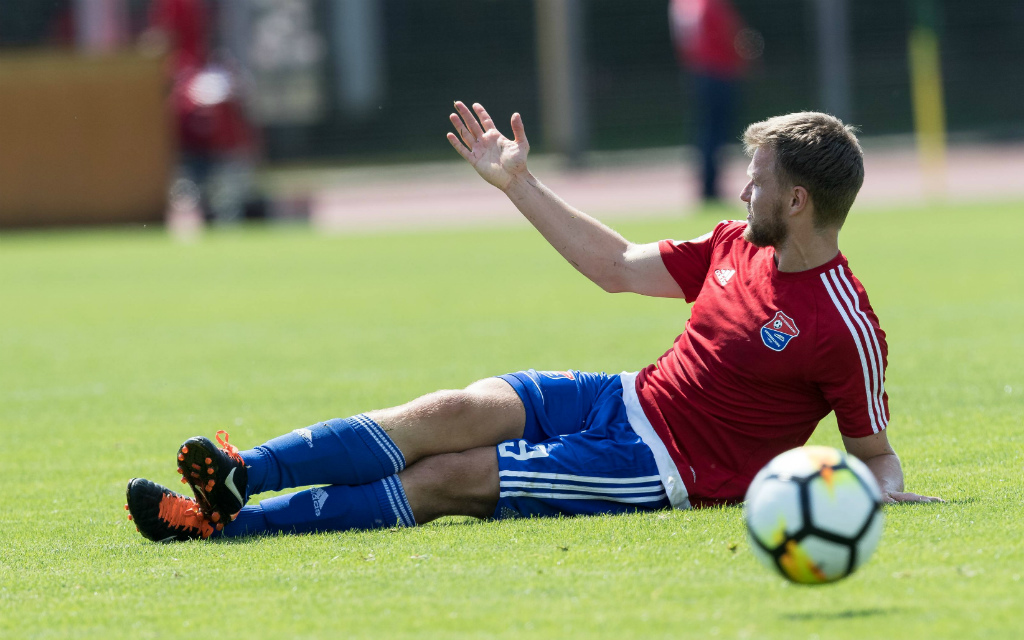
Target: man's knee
[{"x": 463, "y": 483}]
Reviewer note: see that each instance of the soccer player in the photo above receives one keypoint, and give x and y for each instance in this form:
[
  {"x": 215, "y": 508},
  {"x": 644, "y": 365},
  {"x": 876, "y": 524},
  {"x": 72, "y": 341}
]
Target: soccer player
[{"x": 780, "y": 334}]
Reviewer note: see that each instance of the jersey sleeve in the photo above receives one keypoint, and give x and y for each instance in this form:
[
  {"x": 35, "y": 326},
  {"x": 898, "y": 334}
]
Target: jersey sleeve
[
  {"x": 852, "y": 359},
  {"x": 688, "y": 261}
]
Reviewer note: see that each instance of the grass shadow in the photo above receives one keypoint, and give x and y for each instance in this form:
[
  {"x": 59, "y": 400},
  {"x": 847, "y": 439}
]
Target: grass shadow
[
  {"x": 446, "y": 523},
  {"x": 917, "y": 505},
  {"x": 845, "y": 614}
]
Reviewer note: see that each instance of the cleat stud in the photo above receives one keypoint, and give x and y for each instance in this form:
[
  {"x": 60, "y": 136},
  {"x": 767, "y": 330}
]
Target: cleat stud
[
  {"x": 209, "y": 460},
  {"x": 209, "y": 470},
  {"x": 215, "y": 517},
  {"x": 181, "y": 471},
  {"x": 220, "y": 526},
  {"x": 184, "y": 449},
  {"x": 137, "y": 529},
  {"x": 194, "y": 474},
  {"x": 184, "y": 481},
  {"x": 125, "y": 507},
  {"x": 181, "y": 457},
  {"x": 130, "y": 518},
  {"x": 196, "y": 466},
  {"x": 233, "y": 516}
]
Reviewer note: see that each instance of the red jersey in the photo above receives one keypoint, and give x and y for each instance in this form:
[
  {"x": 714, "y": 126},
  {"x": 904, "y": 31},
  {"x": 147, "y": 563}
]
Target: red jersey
[
  {"x": 186, "y": 23},
  {"x": 704, "y": 32},
  {"x": 765, "y": 355}
]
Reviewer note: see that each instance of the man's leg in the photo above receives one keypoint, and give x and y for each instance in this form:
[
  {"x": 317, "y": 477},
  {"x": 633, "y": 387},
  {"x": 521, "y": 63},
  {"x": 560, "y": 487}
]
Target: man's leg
[
  {"x": 463, "y": 483},
  {"x": 353, "y": 451},
  {"x": 453, "y": 484},
  {"x": 594, "y": 463},
  {"x": 483, "y": 414},
  {"x": 605, "y": 469}
]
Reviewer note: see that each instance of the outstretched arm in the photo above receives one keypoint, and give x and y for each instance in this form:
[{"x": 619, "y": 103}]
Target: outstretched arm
[
  {"x": 876, "y": 452},
  {"x": 595, "y": 250}
]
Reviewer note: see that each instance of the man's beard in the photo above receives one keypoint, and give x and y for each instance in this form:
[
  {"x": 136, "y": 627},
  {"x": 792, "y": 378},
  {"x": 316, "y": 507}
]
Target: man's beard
[{"x": 767, "y": 231}]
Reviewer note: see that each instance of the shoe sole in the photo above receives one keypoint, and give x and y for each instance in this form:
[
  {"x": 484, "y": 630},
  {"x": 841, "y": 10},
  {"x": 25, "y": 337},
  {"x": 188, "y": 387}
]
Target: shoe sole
[{"x": 199, "y": 466}]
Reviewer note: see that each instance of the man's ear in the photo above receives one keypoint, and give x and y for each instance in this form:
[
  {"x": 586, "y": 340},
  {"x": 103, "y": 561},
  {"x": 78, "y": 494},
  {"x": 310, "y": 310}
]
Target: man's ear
[{"x": 799, "y": 199}]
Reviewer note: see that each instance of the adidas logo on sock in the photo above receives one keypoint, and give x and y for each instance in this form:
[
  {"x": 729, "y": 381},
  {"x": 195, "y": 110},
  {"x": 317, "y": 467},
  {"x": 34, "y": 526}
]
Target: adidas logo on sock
[
  {"x": 306, "y": 435},
  {"x": 319, "y": 498}
]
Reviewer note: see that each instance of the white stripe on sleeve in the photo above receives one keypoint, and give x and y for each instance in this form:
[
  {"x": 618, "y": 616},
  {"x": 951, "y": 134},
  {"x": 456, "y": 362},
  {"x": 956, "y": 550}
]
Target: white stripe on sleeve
[
  {"x": 860, "y": 350},
  {"x": 872, "y": 346}
]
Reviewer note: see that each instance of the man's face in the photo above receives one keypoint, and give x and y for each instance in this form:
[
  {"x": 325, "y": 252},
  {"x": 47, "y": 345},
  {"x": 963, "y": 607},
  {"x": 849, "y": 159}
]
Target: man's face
[{"x": 766, "y": 226}]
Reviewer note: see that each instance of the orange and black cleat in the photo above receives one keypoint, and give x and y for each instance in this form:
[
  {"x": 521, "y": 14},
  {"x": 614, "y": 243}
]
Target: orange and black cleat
[
  {"x": 217, "y": 476},
  {"x": 162, "y": 515}
]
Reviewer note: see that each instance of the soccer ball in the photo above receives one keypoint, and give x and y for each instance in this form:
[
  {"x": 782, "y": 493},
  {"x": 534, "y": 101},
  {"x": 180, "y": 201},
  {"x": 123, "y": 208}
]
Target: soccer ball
[{"x": 814, "y": 514}]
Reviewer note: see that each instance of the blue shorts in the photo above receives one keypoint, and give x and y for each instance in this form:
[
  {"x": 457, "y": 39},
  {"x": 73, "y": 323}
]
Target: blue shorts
[{"x": 579, "y": 454}]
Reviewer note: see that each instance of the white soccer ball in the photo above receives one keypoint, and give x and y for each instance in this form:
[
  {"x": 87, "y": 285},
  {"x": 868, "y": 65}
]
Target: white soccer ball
[{"x": 814, "y": 514}]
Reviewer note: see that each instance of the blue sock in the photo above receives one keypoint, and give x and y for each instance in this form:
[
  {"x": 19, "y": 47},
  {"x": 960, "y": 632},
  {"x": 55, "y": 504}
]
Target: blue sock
[
  {"x": 250, "y": 521},
  {"x": 335, "y": 508},
  {"x": 352, "y": 451}
]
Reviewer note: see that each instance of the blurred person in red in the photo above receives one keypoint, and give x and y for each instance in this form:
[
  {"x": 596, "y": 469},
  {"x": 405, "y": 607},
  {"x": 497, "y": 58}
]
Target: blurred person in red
[
  {"x": 180, "y": 27},
  {"x": 216, "y": 142},
  {"x": 705, "y": 34}
]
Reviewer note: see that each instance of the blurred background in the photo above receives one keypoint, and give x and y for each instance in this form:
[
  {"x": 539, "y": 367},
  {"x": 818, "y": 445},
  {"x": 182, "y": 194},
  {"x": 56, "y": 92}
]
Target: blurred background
[{"x": 335, "y": 111}]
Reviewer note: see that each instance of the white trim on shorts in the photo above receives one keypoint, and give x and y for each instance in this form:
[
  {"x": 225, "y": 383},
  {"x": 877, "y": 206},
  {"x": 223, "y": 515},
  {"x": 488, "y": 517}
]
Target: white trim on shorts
[{"x": 677, "y": 493}]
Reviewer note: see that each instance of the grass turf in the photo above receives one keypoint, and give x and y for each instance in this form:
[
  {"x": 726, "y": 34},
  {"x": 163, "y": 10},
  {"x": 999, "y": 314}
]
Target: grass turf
[{"x": 116, "y": 346}]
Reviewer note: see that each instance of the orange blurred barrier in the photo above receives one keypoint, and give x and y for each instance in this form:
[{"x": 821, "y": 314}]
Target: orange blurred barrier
[{"x": 83, "y": 139}]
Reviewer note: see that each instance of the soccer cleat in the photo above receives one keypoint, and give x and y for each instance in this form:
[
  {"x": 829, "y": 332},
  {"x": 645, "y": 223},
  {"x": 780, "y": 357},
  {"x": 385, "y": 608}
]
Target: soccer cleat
[
  {"x": 217, "y": 476},
  {"x": 164, "y": 516}
]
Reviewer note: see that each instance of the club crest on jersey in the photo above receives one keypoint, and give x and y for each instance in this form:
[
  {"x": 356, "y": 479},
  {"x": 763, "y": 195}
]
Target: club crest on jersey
[{"x": 778, "y": 331}]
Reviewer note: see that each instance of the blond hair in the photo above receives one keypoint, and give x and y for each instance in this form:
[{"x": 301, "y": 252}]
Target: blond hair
[{"x": 818, "y": 152}]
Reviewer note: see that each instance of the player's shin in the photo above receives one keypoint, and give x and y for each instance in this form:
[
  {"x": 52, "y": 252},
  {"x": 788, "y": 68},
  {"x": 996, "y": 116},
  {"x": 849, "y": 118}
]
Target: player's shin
[
  {"x": 334, "y": 508},
  {"x": 351, "y": 451}
]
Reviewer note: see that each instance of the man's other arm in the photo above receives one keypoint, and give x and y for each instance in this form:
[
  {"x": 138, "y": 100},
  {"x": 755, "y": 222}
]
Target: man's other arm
[
  {"x": 876, "y": 452},
  {"x": 595, "y": 250}
]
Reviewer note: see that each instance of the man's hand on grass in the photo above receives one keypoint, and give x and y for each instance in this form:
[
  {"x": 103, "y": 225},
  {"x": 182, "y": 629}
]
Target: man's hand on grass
[{"x": 899, "y": 496}]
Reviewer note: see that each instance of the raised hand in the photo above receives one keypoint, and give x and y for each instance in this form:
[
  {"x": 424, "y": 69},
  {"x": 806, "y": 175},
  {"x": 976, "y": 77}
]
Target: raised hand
[{"x": 497, "y": 159}]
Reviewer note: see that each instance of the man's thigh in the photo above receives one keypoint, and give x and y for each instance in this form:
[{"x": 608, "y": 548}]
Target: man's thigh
[
  {"x": 453, "y": 484},
  {"x": 483, "y": 414}
]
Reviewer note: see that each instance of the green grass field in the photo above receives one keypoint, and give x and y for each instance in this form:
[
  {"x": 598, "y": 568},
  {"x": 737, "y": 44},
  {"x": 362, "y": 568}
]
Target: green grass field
[{"x": 117, "y": 345}]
